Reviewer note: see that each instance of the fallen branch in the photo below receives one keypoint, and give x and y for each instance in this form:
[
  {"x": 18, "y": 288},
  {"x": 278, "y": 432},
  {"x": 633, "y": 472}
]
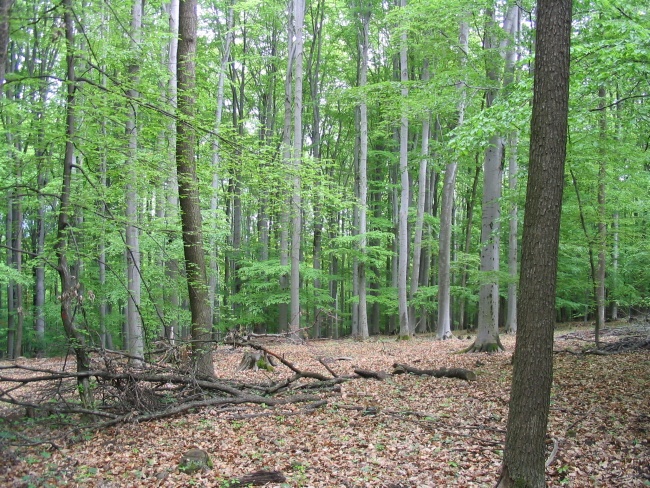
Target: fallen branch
[
  {"x": 378, "y": 375},
  {"x": 463, "y": 374}
]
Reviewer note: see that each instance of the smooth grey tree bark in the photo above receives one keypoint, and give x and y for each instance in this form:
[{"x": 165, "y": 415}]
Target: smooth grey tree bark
[
  {"x": 402, "y": 219},
  {"x": 171, "y": 264},
  {"x": 446, "y": 209},
  {"x": 524, "y": 454},
  {"x": 363, "y": 176},
  {"x": 509, "y": 49},
  {"x": 216, "y": 159},
  {"x": 599, "y": 282},
  {"x": 419, "y": 218},
  {"x": 296, "y": 202},
  {"x": 5, "y": 13},
  {"x": 135, "y": 334}
]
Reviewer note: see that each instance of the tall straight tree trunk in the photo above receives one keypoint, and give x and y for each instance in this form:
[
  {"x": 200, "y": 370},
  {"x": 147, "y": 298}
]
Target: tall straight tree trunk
[
  {"x": 511, "y": 319},
  {"x": 615, "y": 255},
  {"x": 419, "y": 219},
  {"x": 363, "y": 177},
  {"x": 135, "y": 339},
  {"x": 5, "y": 12},
  {"x": 296, "y": 204},
  {"x": 463, "y": 320},
  {"x": 403, "y": 237},
  {"x": 216, "y": 157},
  {"x": 283, "y": 309},
  {"x": 488, "y": 313},
  {"x": 509, "y": 47},
  {"x": 171, "y": 292},
  {"x": 11, "y": 288},
  {"x": 446, "y": 210},
  {"x": 69, "y": 282},
  {"x": 39, "y": 270},
  {"x": 188, "y": 191},
  {"x": 602, "y": 225},
  {"x": 523, "y": 461}
]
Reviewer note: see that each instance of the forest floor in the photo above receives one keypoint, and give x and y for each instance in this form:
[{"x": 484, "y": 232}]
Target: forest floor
[{"x": 404, "y": 431}]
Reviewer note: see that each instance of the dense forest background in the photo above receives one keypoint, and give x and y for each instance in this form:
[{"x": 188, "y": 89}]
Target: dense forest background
[{"x": 361, "y": 167}]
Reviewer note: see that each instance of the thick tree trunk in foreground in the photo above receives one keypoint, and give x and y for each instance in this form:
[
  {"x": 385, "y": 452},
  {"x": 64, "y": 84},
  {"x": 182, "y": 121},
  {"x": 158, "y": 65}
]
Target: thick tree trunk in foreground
[
  {"x": 533, "y": 360},
  {"x": 188, "y": 191}
]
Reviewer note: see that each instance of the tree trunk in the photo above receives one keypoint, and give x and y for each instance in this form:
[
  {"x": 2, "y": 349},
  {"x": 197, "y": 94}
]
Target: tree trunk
[
  {"x": 487, "y": 338},
  {"x": 216, "y": 158},
  {"x": 446, "y": 208},
  {"x": 403, "y": 237},
  {"x": 533, "y": 359},
  {"x": 363, "y": 178},
  {"x": 171, "y": 293},
  {"x": 188, "y": 191},
  {"x": 513, "y": 21},
  {"x": 69, "y": 282},
  {"x": 296, "y": 203},
  {"x": 419, "y": 218},
  {"x": 5, "y": 12},
  {"x": 602, "y": 225},
  {"x": 135, "y": 339}
]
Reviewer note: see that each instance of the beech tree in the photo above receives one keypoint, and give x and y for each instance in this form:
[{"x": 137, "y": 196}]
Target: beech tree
[{"x": 524, "y": 453}]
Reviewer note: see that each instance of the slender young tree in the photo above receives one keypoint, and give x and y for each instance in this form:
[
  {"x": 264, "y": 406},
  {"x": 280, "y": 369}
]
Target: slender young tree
[
  {"x": 216, "y": 157},
  {"x": 446, "y": 208},
  {"x": 188, "y": 190},
  {"x": 523, "y": 461},
  {"x": 419, "y": 218},
  {"x": 69, "y": 282}
]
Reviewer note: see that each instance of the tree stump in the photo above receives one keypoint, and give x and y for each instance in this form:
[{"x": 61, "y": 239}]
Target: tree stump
[{"x": 255, "y": 360}]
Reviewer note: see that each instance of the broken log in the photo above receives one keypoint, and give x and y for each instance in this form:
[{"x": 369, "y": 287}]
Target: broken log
[
  {"x": 258, "y": 478},
  {"x": 463, "y": 374},
  {"x": 378, "y": 375}
]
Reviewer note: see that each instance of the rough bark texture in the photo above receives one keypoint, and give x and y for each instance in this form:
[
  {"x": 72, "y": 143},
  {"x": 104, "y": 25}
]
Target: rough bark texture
[
  {"x": 188, "y": 191},
  {"x": 533, "y": 359},
  {"x": 69, "y": 283}
]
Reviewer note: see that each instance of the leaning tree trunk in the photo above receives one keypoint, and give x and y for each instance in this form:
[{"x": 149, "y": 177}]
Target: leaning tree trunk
[
  {"x": 69, "y": 283},
  {"x": 188, "y": 191},
  {"x": 523, "y": 461}
]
